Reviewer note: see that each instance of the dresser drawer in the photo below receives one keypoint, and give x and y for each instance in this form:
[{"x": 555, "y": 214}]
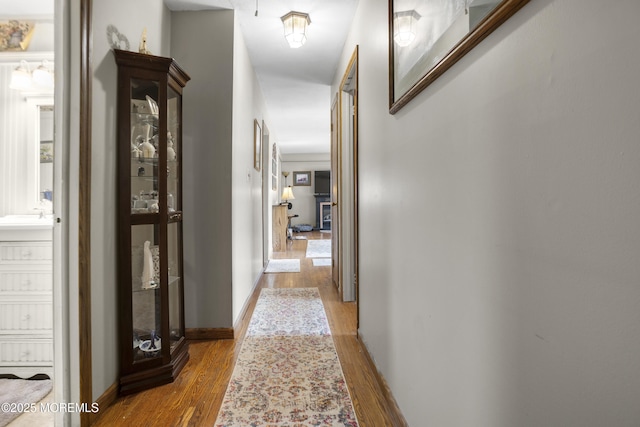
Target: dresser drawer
[
  {"x": 26, "y": 317},
  {"x": 26, "y": 352},
  {"x": 12, "y": 253},
  {"x": 26, "y": 280}
]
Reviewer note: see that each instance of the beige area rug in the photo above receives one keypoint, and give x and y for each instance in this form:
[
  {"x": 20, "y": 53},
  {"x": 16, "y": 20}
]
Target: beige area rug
[
  {"x": 287, "y": 372},
  {"x": 319, "y": 248},
  {"x": 19, "y": 393},
  {"x": 283, "y": 266},
  {"x": 322, "y": 262}
]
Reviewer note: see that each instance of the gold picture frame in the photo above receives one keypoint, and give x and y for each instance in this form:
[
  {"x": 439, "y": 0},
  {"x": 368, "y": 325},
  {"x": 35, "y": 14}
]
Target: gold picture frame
[{"x": 15, "y": 36}]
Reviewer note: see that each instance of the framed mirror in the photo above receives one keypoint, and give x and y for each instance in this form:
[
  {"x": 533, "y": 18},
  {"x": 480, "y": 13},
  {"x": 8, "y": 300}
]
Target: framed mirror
[
  {"x": 426, "y": 37},
  {"x": 45, "y": 190},
  {"x": 40, "y": 137}
]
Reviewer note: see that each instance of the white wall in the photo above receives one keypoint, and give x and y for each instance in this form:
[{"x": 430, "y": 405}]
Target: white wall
[
  {"x": 223, "y": 198},
  {"x": 304, "y": 203},
  {"x": 246, "y": 223},
  {"x": 207, "y": 170},
  {"x": 499, "y": 282},
  {"x": 126, "y": 16}
]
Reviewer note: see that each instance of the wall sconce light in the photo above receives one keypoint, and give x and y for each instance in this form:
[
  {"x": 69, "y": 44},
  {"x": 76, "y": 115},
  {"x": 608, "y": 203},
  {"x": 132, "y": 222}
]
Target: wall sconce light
[
  {"x": 23, "y": 79},
  {"x": 295, "y": 28},
  {"x": 404, "y": 27},
  {"x": 43, "y": 75}
]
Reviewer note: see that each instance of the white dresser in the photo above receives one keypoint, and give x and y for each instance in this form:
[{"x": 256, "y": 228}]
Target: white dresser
[{"x": 26, "y": 305}]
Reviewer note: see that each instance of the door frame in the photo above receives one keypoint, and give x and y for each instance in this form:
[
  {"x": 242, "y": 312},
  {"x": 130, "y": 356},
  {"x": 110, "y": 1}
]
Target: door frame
[
  {"x": 85, "y": 370},
  {"x": 266, "y": 192},
  {"x": 336, "y": 204},
  {"x": 349, "y": 173},
  {"x": 64, "y": 349}
]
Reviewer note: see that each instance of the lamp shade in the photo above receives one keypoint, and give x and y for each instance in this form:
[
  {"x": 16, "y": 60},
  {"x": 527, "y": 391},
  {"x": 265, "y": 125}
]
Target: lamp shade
[
  {"x": 404, "y": 27},
  {"x": 287, "y": 194},
  {"x": 295, "y": 28}
]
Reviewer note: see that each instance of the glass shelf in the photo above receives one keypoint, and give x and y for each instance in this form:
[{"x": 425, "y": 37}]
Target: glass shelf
[{"x": 173, "y": 281}]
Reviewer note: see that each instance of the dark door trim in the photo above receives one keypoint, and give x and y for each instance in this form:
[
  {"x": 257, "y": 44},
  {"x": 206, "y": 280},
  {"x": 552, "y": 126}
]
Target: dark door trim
[{"x": 84, "y": 214}]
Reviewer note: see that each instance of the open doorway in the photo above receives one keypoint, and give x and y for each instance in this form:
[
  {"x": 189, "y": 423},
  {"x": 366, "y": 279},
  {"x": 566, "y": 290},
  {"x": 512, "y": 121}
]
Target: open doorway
[
  {"x": 345, "y": 199},
  {"x": 32, "y": 290}
]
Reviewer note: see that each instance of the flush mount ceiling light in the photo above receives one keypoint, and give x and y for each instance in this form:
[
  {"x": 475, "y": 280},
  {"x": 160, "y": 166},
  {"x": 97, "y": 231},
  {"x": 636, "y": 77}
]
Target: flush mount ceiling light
[
  {"x": 405, "y": 27},
  {"x": 295, "y": 28}
]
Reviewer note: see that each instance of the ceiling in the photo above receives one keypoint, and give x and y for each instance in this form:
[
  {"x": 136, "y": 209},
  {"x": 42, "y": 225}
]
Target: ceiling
[
  {"x": 295, "y": 82},
  {"x": 34, "y": 9}
]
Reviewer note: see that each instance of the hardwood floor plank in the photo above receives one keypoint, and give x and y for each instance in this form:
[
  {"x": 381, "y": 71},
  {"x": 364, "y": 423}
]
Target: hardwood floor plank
[{"x": 196, "y": 396}]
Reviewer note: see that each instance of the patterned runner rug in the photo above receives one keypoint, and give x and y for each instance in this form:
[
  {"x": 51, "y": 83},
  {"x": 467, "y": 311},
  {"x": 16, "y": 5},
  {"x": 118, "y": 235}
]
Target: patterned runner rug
[{"x": 287, "y": 372}]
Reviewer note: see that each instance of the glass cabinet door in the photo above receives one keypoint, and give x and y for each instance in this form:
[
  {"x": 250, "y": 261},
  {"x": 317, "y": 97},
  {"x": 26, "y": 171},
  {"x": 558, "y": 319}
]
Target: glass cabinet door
[
  {"x": 174, "y": 227},
  {"x": 144, "y": 146},
  {"x": 145, "y": 299},
  {"x": 176, "y": 316},
  {"x": 174, "y": 146}
]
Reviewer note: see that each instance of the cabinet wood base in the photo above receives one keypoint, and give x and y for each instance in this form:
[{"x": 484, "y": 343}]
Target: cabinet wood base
[{"x": 150, "y": 378}]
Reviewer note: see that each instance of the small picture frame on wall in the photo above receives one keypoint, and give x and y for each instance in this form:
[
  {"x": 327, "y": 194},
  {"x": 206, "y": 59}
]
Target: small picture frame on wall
[
  {"x": 257, "y": 145},
  {"x": 302, "y": 178}
]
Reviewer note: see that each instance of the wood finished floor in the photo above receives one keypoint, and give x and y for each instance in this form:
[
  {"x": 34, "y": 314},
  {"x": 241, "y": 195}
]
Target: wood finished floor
[{"x": 196, "y": 395}]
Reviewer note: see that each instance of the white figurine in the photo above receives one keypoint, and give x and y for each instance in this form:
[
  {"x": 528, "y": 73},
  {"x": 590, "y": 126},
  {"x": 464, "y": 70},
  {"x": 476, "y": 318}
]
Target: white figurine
[
  {"x": 171, "y": 153},
  {"x": 147, "y": 269},
  {"x": 148, "y": 150},
  {"x": 135, "y": 151}
]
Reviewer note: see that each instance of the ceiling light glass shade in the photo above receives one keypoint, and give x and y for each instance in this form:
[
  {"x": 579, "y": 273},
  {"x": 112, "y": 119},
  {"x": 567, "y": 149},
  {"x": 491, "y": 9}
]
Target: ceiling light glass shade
[
  {"x": 287, "y": 194},
  {"x": 295, "y": 28},
  {"x": 42, "y": 76},
  {"x": 404, "y": 27},
  {"x": 21, "y": 77}
]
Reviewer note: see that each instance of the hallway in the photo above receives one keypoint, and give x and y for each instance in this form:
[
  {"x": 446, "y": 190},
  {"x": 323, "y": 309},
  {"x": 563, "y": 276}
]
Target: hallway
[{"x": 195, "y": 397}]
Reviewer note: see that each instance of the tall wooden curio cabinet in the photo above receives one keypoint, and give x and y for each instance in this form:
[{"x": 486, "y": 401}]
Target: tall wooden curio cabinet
[{"x": 150, "y": 278}]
